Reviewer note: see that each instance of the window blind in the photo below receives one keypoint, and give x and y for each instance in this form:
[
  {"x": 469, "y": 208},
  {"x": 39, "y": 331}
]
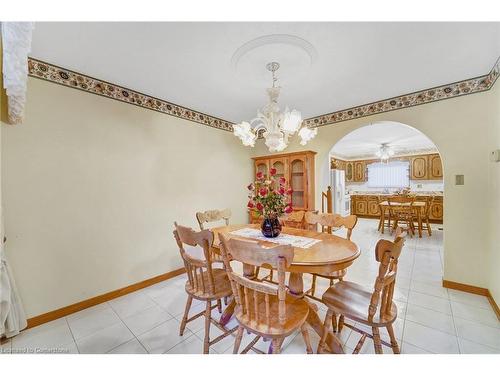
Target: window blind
[{"x": 395, "y": 174}]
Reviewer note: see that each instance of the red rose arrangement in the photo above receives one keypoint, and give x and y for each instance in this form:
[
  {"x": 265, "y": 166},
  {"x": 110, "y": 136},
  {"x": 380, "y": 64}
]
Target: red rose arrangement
[{"x": 269, "y": 197}]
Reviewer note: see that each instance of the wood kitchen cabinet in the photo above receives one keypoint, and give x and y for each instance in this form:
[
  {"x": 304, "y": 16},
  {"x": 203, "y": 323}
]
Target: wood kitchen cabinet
[
  {"x": 349, "y": 171},
  {"x": 359, "y": 171},
  {"x": 435, "y": 167},
  {"x": 367, "y": 206},
  {"x": 419, "y": 167},
  {"x": 298, "y": 169}
]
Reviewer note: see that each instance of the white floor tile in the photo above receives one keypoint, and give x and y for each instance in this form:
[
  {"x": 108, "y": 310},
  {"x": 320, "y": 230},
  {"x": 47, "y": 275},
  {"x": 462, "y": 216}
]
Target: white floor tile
[
  {"x": 430, "y": 302},
  {"x": 164, "y": 337},
  {"x": 469, "y": 347},
  {"x": 93, "y": 321},
  {"x": 430, "y": 318},
  {"x": 191, "y": 345},
  {"x": 131, "y": 304},
  {"x": 412, "y": 349},
  {"x": 130, "y": 347},
  {"x": 146, "y": 319},
  {"x": 104, "y": 340},
  {"x": 475, "y": 314},
  {"x": 469, "y": 299},
  {"x": 479, "y": 333},
  {"x": 430, "y": 339},
  {"x": 6, "y": 347},
  {"x": 50, "y": 337},
  {"x": 433, "y": 289}
]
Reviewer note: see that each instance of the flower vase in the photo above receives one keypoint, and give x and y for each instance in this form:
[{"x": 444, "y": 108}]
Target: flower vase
[{"x": 271, "y": 227}]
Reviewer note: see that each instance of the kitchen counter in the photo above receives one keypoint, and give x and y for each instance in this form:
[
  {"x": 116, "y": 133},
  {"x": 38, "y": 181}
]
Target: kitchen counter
[{"x": 417, "y": 193}]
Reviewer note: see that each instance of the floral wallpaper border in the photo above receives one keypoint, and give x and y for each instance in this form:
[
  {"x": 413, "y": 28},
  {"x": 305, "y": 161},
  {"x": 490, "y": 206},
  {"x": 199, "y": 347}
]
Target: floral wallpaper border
[
  {"x": 53, "y": 73},
  {"x": 66, "y": 77},
  {"x": 452, "y": 90}
]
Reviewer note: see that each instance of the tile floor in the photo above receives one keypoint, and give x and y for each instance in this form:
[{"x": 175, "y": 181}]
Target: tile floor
[{"x": 431, "y": 319}]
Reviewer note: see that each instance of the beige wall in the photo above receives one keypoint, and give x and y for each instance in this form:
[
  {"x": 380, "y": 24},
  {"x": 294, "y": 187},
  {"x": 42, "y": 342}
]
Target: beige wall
[
  {"x": 92, "y": 186},
  {"x": 494, "y": 199},
  {"x": 459, "y": 128}
]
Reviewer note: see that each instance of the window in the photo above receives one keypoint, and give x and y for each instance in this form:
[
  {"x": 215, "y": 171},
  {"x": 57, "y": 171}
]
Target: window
[{"x": 395, "y": 174}]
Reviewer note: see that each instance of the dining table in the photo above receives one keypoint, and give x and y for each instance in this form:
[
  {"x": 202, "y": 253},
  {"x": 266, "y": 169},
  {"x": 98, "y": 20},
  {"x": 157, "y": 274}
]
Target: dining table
[
  {"x": 416, "y": 206},
  {"x": 326, "y": 254}
]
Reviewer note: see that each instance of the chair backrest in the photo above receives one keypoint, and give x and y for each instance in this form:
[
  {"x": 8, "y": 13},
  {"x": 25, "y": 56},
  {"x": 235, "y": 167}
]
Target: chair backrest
[
  {"x": 249, "y": 294},
  {"x": 212, "y": 216},
  {"x": 387, "y": 254},
  {"x": 312, "y": 221},
  {"x": 294, "y": 219},
  {"x": 394, "y": 204},
  {"x": 199, "y": 271},
  {"x": 428, "y": 203}
]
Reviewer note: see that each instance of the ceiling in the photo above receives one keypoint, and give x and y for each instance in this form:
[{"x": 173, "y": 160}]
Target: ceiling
[
  {"x": 365, "y": 141},
  {"x": 219, "y": 68}
]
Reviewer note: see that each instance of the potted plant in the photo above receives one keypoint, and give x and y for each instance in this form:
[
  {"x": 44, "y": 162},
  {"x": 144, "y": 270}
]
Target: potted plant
[{"x": 269, "y": 197}]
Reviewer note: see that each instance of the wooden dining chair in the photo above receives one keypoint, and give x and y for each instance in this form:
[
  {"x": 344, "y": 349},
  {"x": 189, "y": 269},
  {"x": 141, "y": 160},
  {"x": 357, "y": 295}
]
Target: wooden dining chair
[
  {"x": 385, "y": 215},
  {"x": 264, "y": 309},
  {"x": 402, "y": 211},
  {"x": 212, "y": 216},
  {"x": 312, "y": 221},
  {"x": 294, "y": 219},
  {"x": 426, "y": 225},
  {"x": 205, "y": 283},
  {"x": 373, "y": 308}
]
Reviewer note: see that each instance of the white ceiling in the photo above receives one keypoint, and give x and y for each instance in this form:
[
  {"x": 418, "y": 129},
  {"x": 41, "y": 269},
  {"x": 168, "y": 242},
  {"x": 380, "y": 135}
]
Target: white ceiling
[
  {"x": 365, "y": 141},
  {"x": 349, "y": 63}
]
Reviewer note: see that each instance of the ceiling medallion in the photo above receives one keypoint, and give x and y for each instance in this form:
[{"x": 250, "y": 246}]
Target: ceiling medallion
[{"x": 276, "y": 126}]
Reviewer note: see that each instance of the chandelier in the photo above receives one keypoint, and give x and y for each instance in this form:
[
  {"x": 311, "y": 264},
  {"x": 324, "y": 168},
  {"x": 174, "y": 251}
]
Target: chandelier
[
  {"x": 276, "y": 127},
  {"x": 384, "y": 152}
]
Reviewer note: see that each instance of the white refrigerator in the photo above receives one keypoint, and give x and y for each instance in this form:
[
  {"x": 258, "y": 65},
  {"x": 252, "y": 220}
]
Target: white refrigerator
[{"x": 337, "y": 180}]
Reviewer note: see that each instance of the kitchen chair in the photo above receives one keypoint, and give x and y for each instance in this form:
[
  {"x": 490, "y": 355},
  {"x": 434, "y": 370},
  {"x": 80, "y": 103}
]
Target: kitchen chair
[
  {"x": 385, "y": 215},
  {"x": 373, "y": 308},
  {"x": 426, "y": 225},
  {"x": 402, "y": 211},
  {"x": 294, "y": 220},
  {"x": 205, "y": 283},
  {"x": 262, "y": 308},
  {"x": 312, "y": 221},
  {"x": 212, "y": 216}
]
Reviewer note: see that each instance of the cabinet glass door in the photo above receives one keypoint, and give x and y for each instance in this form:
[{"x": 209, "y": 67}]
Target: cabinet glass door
[
  {"x": 262, "y": 166},
  {"x": 298, "y": 183}
]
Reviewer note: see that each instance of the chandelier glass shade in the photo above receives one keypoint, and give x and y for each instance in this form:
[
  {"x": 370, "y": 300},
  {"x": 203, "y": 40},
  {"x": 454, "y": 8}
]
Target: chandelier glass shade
[
  {"x": 384, "y": 153},
  {"x": 275, "y": 126}
]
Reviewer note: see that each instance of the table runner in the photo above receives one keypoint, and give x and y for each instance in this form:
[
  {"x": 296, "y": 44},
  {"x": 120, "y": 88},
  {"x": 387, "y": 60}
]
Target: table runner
[{"x": 282, "y": 239}]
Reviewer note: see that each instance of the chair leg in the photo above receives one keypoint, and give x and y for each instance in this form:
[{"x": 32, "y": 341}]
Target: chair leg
[
  {"x": 237, "y": 342},
  {"x": 341, "y": 323},
  {"x": 326, "y": 329},
  {"x": 334, "y": 322},
  {"x": 225, "y": 301},
  {"x": 276, "y": 345},
  {"x": 394, "y": 343},
  {"x": 206, "y": 343},
  {"x": 313, "y": 285},
  {"x": 185, "y": 317},
  {"x": 256, "y": 275},
  {"x": 429, "y": 230},
  {"x": 219, "y": 306},
  {"x": 377, "y": 343},
  {"x": 307, "y": 339},
  {"x": 271, "y": 275}
]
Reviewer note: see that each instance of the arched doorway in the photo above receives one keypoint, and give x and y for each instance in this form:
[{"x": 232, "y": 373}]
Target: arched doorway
[{"x": 375, "y": 162}]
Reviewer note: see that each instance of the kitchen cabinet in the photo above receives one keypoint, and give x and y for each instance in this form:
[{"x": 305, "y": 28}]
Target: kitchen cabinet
[
  {"x": 373, "y": 208},
  {"x": 298, "y": 169},
  {"x": 367, "y": 206},
  {"x": 418, "y": 167},
  {"x": 349, "y": 171},
  {"x": 359, "y": 171},
  {"x": 435, "y": 167}
]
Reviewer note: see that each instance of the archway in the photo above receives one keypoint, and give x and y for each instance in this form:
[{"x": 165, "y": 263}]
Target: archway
[{"x": 411, "y": 166}]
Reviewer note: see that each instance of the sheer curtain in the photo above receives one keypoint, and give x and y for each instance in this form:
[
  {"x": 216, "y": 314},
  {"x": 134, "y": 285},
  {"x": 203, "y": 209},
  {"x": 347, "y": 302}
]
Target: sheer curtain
[{"x": 395, "y": 174}]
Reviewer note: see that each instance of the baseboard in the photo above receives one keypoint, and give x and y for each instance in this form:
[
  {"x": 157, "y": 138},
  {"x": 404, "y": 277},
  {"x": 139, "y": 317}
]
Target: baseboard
[
  {"x": 67, "y": 310},
  {"x": 474, "y": 290}
]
